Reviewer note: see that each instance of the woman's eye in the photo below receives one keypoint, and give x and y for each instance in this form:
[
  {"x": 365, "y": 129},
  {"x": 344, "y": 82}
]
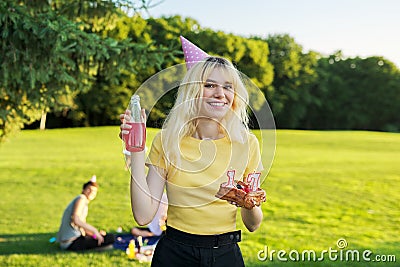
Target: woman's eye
[
  {"x": 210, "y": 85},
  {"x": 215, "y": 85}
]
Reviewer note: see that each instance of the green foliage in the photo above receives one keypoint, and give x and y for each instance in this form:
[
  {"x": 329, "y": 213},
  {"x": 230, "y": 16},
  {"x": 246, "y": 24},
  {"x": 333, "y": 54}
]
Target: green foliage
[
  {"x": 356, "y": 94},
  {"x": 109, "y": 94},
  {"x": 51, "y": 58},
  {"x": 44, "y": 52},
  {"x": 329, "y": 185},
  {"x": 294, "y": 75},
  {"x": 80, "y": 61},
  {"x": 249, "y": 55}
]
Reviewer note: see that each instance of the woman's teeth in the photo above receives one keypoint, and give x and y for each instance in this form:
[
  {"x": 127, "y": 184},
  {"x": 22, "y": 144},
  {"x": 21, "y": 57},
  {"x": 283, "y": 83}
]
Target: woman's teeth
[{"x": 217, "y": 104}]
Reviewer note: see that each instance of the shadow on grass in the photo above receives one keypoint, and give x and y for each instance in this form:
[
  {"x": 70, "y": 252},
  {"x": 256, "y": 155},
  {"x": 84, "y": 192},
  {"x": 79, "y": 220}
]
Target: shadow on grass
[{"x": 28, "y": 244}]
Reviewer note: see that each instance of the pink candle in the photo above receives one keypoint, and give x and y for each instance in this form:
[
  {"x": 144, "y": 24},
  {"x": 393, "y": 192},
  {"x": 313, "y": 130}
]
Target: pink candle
[
  {"x": 254, "y": 180},
  {"x": 231, "y": 178}
]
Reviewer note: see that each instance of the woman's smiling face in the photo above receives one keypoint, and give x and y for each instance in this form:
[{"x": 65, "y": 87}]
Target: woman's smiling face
[{"x": 218, "y": 95}]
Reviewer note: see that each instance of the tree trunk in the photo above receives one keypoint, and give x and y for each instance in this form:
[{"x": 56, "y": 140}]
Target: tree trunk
[{"x": 43, "y": 120}]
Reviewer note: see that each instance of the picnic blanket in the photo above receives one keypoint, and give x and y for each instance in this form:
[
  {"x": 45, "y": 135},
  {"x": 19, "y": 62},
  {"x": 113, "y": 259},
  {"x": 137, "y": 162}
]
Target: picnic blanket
[{"x": 122, "y": 241}]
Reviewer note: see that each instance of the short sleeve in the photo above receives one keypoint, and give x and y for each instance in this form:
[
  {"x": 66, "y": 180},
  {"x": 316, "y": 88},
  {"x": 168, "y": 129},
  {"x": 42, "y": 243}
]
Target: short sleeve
[{"x": 156, "y": 155}]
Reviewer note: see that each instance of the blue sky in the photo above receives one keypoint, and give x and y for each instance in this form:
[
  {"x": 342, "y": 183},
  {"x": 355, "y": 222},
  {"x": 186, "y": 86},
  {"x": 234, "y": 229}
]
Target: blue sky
[{"x": 357, "y": 27}]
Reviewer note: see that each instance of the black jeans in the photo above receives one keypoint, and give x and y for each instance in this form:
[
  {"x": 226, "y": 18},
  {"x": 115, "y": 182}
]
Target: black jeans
[
  {"x": 177, "y": 249},
  {"x": 87, "y": 242}
]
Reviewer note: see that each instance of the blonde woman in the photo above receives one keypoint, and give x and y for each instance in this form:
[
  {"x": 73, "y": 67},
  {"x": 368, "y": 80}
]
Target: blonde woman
[{"x": 205, "y": 139}]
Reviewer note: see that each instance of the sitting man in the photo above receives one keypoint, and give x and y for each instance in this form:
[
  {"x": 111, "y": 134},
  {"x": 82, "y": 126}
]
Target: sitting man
[{"x": 74, "y": 233}]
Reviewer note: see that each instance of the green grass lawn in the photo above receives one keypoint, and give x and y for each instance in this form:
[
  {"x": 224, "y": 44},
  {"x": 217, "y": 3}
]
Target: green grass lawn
[{"x": 323, "y": 186}]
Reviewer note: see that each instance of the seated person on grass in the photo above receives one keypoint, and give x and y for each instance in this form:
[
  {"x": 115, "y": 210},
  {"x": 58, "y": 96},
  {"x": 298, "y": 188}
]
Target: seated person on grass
[{"x": 74, "y": 233}]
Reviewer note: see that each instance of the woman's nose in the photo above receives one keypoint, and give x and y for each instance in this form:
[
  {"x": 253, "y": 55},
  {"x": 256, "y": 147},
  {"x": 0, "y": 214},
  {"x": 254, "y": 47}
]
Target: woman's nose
[{"x": 219, "y": 91}]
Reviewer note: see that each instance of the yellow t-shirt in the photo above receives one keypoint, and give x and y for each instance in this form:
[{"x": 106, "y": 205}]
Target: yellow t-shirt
[{"x": 193, "y": 182}]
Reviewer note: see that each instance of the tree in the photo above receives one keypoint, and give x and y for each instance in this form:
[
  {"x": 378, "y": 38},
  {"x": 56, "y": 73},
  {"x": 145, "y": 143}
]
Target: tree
[
  {"x": 41, "y": 60},
  {"x": 48, "y": 57},
  {"x": 294, "y": 76},
  {"x": 356, "y": 93}
]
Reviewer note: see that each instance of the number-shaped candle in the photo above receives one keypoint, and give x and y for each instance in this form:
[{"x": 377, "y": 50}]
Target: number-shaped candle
[
  {"x": 254, "y": 180},
  {"x": 231, "y": 178}
]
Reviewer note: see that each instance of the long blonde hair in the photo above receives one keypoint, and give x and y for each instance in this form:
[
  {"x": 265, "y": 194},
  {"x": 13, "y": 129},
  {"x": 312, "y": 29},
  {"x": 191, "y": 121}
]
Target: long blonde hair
[{"x": 181, "y": 121}]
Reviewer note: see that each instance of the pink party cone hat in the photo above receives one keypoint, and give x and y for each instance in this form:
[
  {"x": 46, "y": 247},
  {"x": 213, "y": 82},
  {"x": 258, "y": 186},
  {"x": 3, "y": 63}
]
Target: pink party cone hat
[{"x": 192, "y": 53}]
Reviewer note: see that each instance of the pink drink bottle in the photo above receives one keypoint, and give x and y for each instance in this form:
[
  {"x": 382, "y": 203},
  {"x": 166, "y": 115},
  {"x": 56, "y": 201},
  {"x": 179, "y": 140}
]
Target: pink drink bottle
[{"x": 135, "y": 141}]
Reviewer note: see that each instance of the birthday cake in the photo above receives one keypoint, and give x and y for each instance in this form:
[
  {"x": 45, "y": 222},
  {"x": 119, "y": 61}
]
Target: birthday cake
[{"x": 241, "y": 194}]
